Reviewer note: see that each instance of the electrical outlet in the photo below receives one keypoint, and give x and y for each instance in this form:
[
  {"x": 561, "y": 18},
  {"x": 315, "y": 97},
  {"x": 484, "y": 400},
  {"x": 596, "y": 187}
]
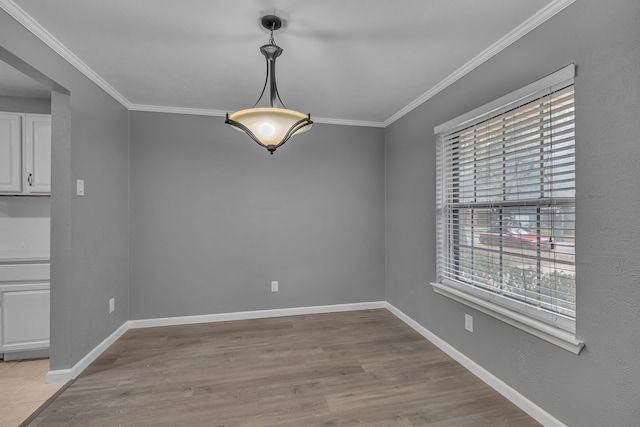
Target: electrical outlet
[
  {"x": 468, "y": 323},
  {"x": 274, "y": 286},
  {"x": 112, "y": 305}
]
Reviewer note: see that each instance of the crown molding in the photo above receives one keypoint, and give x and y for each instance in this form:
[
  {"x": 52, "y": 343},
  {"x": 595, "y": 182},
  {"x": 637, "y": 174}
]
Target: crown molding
[
  {"x": 220, "y": 113},
  {"x": 45, "y": 36},
  {"x": 534, "y": 21},
  {"x": 527, "y": 26},
  {"x": 344, "y": 122},
  {"x": 17, "y": 13},
  {"x": 177, "y": 110}
]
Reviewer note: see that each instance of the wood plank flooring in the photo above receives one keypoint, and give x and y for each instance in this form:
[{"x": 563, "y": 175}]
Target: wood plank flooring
[{"x": 364, "y": 368}]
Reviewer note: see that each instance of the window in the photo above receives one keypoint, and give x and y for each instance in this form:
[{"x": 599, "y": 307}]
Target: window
[{"x": 506, "y": 209}]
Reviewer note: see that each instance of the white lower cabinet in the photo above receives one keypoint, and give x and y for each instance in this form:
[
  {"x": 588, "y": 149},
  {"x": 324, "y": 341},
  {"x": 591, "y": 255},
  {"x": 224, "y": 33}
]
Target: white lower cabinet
[{"x": 24, "y": 309}]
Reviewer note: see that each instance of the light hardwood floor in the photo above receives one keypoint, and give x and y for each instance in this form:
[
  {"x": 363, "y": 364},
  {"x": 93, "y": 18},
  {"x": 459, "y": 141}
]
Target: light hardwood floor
[{"x": 363, "y": 368}]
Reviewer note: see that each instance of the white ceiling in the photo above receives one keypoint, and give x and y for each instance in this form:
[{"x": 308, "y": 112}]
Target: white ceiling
[{"x": 351, "y": 61}]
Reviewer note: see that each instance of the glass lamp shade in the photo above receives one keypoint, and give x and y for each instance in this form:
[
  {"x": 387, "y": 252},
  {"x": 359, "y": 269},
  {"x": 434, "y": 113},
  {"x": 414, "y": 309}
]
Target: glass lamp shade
[{"x": 270, "y": 127}]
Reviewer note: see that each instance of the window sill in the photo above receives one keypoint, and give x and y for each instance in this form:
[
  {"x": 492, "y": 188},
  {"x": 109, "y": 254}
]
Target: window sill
[{"x": 563, "y": 339}]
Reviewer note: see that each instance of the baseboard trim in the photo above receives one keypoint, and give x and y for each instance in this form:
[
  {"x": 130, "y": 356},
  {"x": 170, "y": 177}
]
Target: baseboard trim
[
  {"x": 60, "y": 375},
  {"x": 539, "y": 414},
  {"x": 501, "y": 387},
  {"x": 258, "y": 314}
]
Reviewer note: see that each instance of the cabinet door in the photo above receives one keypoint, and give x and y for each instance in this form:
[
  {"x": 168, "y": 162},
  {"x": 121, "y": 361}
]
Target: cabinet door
[
  {"x": 38, "y": 153},
  {"x": 10, "y": 153},
  {"x": 25, "y": 320}
]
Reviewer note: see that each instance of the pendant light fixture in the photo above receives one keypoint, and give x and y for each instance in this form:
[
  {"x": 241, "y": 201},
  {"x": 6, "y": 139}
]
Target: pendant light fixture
[{"x": 270, "y": 126}]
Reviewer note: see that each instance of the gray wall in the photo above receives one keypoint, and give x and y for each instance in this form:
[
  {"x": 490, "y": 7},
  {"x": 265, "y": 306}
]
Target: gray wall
[
  {"x": 19, "y": 104},
  {"x": 89, "y": 235},
  {"x": 600, "y": 387},
  {"x": 215, "y": 218}
]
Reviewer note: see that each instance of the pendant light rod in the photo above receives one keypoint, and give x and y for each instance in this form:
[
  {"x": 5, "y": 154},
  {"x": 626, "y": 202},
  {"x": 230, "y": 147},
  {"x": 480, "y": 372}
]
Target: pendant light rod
[{"x": 271, "y": 52}]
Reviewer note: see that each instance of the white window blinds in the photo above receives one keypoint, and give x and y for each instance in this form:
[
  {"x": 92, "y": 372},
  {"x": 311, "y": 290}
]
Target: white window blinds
[{"x": 506, "y": 205}]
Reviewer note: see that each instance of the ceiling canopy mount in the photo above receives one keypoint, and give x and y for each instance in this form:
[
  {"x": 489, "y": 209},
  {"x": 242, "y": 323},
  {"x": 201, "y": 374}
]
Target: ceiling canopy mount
[{"x": 271, "y": 22}]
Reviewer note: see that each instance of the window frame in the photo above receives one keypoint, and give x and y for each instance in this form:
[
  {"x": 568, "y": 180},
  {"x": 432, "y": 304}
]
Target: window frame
[{"x": 551, "y": 327}]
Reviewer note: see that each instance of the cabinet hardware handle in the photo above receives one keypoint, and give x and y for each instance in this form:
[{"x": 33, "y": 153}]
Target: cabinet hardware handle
[{"x": 30, "y": 179}]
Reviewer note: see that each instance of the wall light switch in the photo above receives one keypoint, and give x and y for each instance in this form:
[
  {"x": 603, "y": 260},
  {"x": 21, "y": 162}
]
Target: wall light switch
[
  {"x": 274, "y": 286},
  {"x": 112, "y": 305},
  {"x": 80, "y": 187}
]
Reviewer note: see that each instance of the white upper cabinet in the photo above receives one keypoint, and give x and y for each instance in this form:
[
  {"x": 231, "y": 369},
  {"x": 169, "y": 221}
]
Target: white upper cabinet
[
  {"x": 38, "y": 154},
  {"x": 11, "y": 152},
  {"x": 25, "y": 153}
]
